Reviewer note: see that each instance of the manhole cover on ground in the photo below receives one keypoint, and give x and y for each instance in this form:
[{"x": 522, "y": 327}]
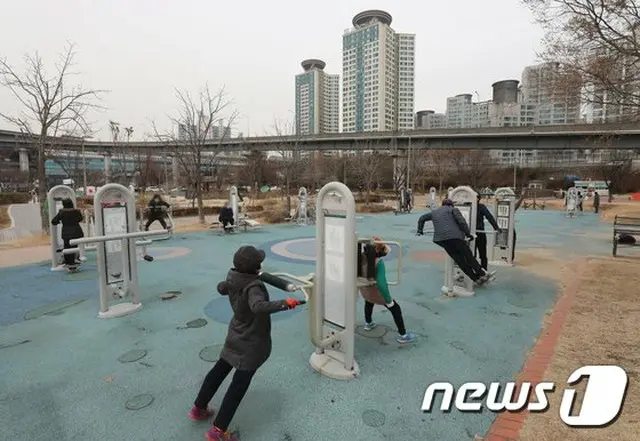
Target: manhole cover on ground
[
  {"x": 521, "y": 302},
  {"x": 373, "y": 418},
  {"x": 210, "y": 353},
  {"x": 377, "y": 332},
  {"x": 51, "y": 309},
  {"x": 133, "y": 355},
  {"x": 197, "y": 323},
  {"x": 139, "y": 402}
]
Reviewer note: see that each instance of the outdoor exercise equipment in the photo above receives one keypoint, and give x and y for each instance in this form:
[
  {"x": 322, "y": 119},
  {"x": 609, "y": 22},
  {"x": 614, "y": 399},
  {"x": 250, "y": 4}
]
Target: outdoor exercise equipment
[
  {"x": 55, "y": 196},
  {"x": 449, "y": 190},
  {"x": 504, "y": 208},
  {"x": 332, "y": 290},
  {"x": 167, "y": 213},
  {"x": 240, "y": 220},
  {"x": 456, "y": 283},
  {"x": 571, "y": 202},
  {"x": 115, "y": 212},
  {"x": 89, "y": 230},
  {"x": 404, "y": 201},
  {"x": 433, "y": 198},
  {"x": 304, "y": 214}
]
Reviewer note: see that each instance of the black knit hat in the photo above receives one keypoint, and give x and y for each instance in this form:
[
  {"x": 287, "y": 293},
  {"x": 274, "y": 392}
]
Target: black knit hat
[{"x": 248, "y": 259}]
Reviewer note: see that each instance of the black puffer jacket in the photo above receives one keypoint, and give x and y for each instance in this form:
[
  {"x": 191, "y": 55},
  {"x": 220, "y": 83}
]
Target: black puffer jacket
[
  {"x": 248, "y": 343},
  {"x": 70, "y": 219}
]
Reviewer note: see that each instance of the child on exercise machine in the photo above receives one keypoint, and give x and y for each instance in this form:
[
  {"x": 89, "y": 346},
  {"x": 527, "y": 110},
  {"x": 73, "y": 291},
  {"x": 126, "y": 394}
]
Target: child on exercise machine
[{"x": 379, "y": 294}]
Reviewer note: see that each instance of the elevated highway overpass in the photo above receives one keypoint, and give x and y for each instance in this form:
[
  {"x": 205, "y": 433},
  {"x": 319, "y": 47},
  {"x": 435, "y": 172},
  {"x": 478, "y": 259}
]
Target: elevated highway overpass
[{"x": 564, "y": 137}]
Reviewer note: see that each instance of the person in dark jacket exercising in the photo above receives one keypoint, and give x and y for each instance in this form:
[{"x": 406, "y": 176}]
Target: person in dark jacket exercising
[
  {"x": 226, "y": 217},
  {"x": 450, "y": 230},
  {"x": 156, "y": 207},
  {"x": 70, "y": 218},
  {"x": 248, "y": 342},
  {"x": 481, "y": 238}
]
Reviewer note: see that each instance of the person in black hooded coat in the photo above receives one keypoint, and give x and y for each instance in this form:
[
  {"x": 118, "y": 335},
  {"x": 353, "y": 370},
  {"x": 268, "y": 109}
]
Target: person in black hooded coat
[
  {"x": 70, "y": 218},
  {"x": 248, "y": 342}
]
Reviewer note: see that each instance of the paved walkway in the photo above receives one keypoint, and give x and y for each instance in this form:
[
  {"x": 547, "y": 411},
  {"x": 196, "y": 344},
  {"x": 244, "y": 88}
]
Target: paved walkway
[{"x": 77, "y": 377}]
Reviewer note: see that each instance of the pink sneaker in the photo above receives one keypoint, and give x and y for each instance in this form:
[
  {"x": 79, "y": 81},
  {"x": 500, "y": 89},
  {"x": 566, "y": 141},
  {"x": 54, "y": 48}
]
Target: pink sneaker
[
  {"x": 198, "y": 414},
  {"x": 215, "y": 434}
]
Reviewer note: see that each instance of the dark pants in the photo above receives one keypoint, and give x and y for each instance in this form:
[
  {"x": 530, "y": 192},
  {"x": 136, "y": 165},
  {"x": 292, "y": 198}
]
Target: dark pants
[
  {"x": 238, "y": 387},
  {"x": 69, "y": 259},
  {"x": 596, "y": 208},
  {"x": 155, "y": 217},
  {"x": 461, "y": 254},
  {"x": 396, "y": 312},
  {"x": 481, "y": 249},
  {"x": 227, "y": 221}
]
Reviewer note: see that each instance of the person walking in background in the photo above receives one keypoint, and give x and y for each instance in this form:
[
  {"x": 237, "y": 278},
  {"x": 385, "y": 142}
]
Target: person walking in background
[{"x": 596, "y": 202}]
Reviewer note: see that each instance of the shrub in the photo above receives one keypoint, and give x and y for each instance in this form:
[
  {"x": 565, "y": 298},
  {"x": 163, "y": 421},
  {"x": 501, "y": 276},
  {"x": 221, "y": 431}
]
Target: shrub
[{"x": 8, "y": 198}]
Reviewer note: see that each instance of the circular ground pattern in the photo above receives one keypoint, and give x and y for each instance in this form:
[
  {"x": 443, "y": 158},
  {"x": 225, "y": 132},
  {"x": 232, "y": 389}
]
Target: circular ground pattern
[
  {"x": 300, "y": 250},
  {"x": 197, "y": 323},
  {"x": 165, "y": 253},
  {"x": 373, "y": 418},
  {"x": 139, "y": 402},
  {"x": 133, "y": 355},
  {"x": 210, "y": 353},
  {"x": 521, "y": 301},
  {"x": 56, "y": 308},
  {"x": 377, "y": 332}
]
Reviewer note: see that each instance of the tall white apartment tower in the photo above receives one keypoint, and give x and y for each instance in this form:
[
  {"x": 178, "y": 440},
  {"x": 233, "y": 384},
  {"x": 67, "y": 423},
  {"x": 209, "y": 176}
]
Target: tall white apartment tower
[
  {"x": 378, "y": 69},
  {"x": 317, "y": 100}
]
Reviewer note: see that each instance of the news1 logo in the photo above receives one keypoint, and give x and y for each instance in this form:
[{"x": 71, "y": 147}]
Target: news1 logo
[{"x": 601, "y": 405}]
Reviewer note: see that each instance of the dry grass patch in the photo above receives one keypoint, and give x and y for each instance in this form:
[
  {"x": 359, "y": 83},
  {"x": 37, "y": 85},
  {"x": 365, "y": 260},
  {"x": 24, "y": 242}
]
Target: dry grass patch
[
  {"x": 601, "y": 328},
  {"x": 5, "y": 220}
]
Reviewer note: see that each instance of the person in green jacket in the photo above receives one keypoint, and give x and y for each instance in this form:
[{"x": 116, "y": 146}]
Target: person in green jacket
[{"x": 379, "y": 294}]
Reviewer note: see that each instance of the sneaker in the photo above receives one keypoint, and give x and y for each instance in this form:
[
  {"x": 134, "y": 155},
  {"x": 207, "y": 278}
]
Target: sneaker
[
  {"x": 215, "y": 434},
  {"x": 407, "y": 338},
  {"x": 198, "y": 414},
  {"x": 369, "y": 326}
]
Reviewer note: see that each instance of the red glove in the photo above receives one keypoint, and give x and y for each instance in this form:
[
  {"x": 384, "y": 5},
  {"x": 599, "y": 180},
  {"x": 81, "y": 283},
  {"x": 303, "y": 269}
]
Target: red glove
[{"x": 292, "y": 303}]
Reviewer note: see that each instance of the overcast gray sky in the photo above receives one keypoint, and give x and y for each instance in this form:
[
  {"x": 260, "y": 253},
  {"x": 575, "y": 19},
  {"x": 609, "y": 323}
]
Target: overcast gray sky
[{"x": 141, "y": 50}]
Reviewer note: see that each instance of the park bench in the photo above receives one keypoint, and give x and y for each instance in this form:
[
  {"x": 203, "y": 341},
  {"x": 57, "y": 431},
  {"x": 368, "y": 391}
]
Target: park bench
[{"x": 625, "y": 225}]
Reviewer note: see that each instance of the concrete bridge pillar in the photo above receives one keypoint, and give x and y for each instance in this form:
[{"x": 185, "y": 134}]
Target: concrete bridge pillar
[
  {"x": 107, "y": 168},
  {"x": 175, "y": 171},
  {"x": 23, "y": 155}
]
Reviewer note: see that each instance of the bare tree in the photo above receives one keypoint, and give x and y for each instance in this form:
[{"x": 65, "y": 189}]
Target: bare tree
[
  {"x": 289, "y": 156},
  {"x": 596, "y": 44},
  {"x": 440, "y": 164},
  {"x": 369, "y": 165},
  {"x": 50, "y": 105},
  {"x": 472, "y": 164},
  {"x": 195, "y": 141}
]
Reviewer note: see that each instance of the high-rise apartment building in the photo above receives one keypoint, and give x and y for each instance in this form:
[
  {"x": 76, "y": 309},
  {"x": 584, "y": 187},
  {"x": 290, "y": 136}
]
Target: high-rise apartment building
[
  {"x": 378, "y": 67},
  {"x": 460, "y": 111},
  {"x": 556, "y": 100},
  {"x": 317, "y": 99},
  {"x": 429, "y": 119}
]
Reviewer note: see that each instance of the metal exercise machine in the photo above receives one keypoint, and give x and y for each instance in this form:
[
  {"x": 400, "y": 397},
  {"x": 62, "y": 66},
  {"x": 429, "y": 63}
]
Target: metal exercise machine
[
  {"x": 504, "y": 208},
  {"x": 167, "y": 213},
  {"x": 304, "y": 213},
  {"x": 456, "y": 283},
  {"x": 332, "y": 291},
  {"x": 572, "y": 202},
  {"x": 55, "y": 196},
  {"x": 405, "y": 203},
  {"x": 115, "y": 213},
  {"x": 433, "y": 198}
]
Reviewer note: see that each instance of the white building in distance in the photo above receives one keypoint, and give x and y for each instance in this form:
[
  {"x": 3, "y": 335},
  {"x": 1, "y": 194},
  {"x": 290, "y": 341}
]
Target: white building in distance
[{"x": 317, "y": 99}]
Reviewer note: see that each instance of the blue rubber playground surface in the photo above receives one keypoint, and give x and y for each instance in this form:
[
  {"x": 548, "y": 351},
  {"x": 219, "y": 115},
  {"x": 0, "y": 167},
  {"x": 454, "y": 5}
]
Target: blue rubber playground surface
[{"x": 67, "y": 375}]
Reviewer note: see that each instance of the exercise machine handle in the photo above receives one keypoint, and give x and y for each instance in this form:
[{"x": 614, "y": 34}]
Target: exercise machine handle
[{"x": 278, "y": 282}]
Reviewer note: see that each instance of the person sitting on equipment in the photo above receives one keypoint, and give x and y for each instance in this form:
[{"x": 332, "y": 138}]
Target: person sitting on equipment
[
  {"x": 481, "y": 238},
  {"x": 379, "y": 294},
  {"x": 156, "y": 208},
  {"x": 70, "y": 217},
  {"x": 248, "y": 342},
  {"x": 226, "y": 217},
  {"x": 450, "y": 231}
]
